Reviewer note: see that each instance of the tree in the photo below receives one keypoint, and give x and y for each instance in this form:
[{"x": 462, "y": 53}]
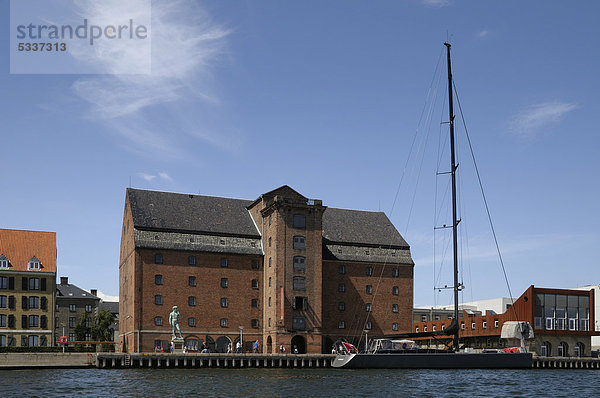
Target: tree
[
  {"x": 80, "y": 328},
  {"x": 102, "y": 328}
]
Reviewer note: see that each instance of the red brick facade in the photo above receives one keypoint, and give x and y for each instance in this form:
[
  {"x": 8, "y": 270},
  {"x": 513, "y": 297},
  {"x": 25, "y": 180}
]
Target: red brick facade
[{"x": 280, "y": 289}]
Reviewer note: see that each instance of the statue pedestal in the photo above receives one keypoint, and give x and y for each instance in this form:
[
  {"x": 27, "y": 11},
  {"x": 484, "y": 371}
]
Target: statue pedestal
[{"x": 177, "y": 345}]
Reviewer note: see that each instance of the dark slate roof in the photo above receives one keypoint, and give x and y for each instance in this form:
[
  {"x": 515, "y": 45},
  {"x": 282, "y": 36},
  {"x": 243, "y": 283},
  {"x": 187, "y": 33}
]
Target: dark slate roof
[
  {"x": 190, "y": 213},
  {"x": 72, "y": 291},
  {"x": 360, "y": 227},
  {"x": 112, "y": 306}
]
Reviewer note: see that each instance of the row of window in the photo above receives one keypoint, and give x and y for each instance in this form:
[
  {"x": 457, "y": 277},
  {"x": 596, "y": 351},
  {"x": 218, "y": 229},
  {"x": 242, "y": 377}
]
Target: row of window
[
  {"x": 158, "y": 280},
  {"x": 26, "y": 341},
  {"x": 8, "y": 283},
  {"x": 158, "y": 259},
  {"x": 368, "y": 289},
  {"x": 27, "y": 321},
  {"x": 224, "y": 322},
  {"x": 32, "y": 265},
  {"x": 369, "y": 271},
  {"x": 73, "y": 308},
  {"x": 368, "y": 325},
  {"x": 158, "y": 300}
]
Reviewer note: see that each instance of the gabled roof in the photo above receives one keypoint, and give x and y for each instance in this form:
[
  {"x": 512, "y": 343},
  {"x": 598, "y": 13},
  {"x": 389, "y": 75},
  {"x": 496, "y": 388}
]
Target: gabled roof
[
  {"x": 112, "y": 306},
  {"x": 20, "y": 246},
  {"x": 156, "y": 210},
  {"x": 71, "y": 291},
  {"x": 360, "y": 227},
  {"x": 284, "y": 190}
]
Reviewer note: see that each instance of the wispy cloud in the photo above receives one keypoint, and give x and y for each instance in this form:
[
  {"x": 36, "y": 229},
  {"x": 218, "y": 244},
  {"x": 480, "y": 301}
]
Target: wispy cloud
[
  {"x": 529, "y": 122},
  {"x": 483, "y": 33},
  {"x": 151, "y": 177},
  {"x": 146, "y": 110},
  {"x": 436, "y": 3}
]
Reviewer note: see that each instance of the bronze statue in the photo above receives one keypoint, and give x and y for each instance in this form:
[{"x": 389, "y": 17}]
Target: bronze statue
[{"x": 174, "y": 321}]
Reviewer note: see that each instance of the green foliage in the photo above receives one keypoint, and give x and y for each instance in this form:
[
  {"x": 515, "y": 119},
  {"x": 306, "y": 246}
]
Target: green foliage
[
  {"x": 80, "y": 328},
  {"x": 101, "y": 330}
]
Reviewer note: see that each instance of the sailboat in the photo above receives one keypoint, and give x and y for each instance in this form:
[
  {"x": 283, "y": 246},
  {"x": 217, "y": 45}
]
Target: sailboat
[{"x": 396, "y": 353}]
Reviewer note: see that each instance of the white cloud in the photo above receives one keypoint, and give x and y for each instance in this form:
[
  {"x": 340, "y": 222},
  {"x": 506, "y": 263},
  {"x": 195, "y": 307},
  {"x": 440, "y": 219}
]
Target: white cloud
[
  {"x": 531, "y": 120},
  {"x": 147, "y": 177},
  {"x": 146, "y": 109},
  {"x": 106, "y": 297},
  {"x": 483, "y": 33},
  {"x": 436, "y": 3},
  {"x": 165, "y": 176}
]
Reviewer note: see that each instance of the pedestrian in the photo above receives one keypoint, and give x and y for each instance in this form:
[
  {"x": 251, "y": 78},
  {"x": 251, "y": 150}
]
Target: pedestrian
[
  {"x": 281, "y": 348},
  {"x": 172, "y": 347},
  {"x": 238, "y": 347},
  {"x": 295, "y": 349},
  {"x": 229, "y": 348},
  {"x": 256, "y": 346}
]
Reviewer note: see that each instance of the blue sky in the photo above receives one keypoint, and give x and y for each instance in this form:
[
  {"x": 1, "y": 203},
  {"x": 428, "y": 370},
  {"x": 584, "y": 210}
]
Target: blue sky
[{"x": 324, "y": 96}]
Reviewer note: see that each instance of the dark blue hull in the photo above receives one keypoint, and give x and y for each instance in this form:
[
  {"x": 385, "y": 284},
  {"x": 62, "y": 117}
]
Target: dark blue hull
[{"x": 435, "y": 361}]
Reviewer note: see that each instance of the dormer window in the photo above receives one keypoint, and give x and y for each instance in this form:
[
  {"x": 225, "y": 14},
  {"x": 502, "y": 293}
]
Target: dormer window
[
  {"x": 34, "y": 264},
  {"x": 4, "y": 263}
]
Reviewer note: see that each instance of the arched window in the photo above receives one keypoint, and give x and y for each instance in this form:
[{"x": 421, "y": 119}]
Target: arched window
[
  {"x": 579, "y": 350},
  {"x": 546, "y": 349},
  {"x": 563, "y": 349}
]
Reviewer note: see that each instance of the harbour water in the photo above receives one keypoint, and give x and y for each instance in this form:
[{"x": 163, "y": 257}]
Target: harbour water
[{"x": 298, "y": 382}]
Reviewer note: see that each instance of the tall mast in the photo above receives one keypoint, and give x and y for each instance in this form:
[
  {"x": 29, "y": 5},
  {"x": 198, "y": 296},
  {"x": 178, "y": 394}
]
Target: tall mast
[{"x": 455, "y": 221}]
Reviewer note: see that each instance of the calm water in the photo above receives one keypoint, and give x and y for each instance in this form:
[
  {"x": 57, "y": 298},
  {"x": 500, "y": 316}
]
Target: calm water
[{"x": 298, "y": 382}]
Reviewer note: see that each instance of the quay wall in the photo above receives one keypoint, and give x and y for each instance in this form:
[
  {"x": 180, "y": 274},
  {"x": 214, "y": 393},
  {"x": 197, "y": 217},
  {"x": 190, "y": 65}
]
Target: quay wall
[{"x": 20, "y": 360}]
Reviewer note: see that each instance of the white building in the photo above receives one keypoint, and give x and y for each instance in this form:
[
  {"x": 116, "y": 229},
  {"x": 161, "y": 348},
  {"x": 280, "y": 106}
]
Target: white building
[{"x": 595, "y": 339}]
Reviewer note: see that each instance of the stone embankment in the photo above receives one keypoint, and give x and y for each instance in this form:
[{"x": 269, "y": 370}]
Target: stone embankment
[{"x": 47, "y": 360}]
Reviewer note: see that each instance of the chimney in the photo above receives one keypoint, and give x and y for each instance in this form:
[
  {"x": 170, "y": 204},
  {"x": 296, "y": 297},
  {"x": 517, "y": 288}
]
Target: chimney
[
  {"x": 94, "y": 292},
  {"x": 64, "y": 280}
]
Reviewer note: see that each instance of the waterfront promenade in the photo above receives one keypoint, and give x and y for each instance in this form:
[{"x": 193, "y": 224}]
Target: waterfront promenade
[{"x": 215, "y": 360}]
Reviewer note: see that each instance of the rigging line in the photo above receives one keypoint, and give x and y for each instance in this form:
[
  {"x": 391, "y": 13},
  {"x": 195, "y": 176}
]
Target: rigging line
[
  {"x": 403, "y": 174},
  {"x": 487, "y": 209}
]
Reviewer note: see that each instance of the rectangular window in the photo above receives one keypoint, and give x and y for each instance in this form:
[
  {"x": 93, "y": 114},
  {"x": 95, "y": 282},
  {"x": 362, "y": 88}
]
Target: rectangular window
[
  {"x": 395, "y": 272},
  {"x": 299, "y": 264},
  {"x": 299, "y": 283},
  {"x": 192, "y": 280},
  {"x": 255, "y": 323},
  {"x": 33, "y": 341},
  {"x": 88, "y": 308},
  {"x": 192, "y": 300},
  {"x": 299, "y": 323},
  {"x": 71, "y": 321},
  {"x": 369, "y": 307},
  {"x": 368, "y": 325},
  {"x": 369, "y": 289},
  {"x": 300, "y": 303},
  {"x": 71, "y": 336},
  {"x": 299, "y": 242},
  {"x": 423, "y": 318},
  {"x": 462, "y": 326},
  {"x": 158, "y": 299},
  {"x": 158, "y": 258},
  {"x": 34, "y": 321},
  {"x": 158, "y": 280},
  {"x": 224, "y": 302},
  {"x": 394, "y": 307},
  {"x": 223, "y": 322},
  {"x": 342, "y": 325},
  {"x": 3, "y": 319},
  {"x": 496, "y": 323},
  {"x": 191, "y": 321},
  {"x": 255, "y": 264},
  {"x": 341, "y": 288},
  {"x": 3, "y": 282},
  {"x": 72, "y": 307},
  {"x": 34, "y": 302},
  {"x": 299, "y": 221},
  {"x": 224, "y": 282},
  {"x": 341, "y": 306},
  {"x": 254, "y": 303},
  {"x": 484, "y": 324},
  {"x": 270, "y": 240},
  {"x": 158, "y": 321},
  {"x": 342, "y": 269},
  {"x": 3, "y": 302},
  {"x": 254, "y": 283},
  {"x": 395, "y": 290},
  {"x": 88, "y": 322},
  {"x": 192, "y": 260},
  {"x": 472, "y": 325},
  {"x": 224, "y": 263},
  {"x": 369, "y": 271},
  {"x": 394, "y": 326},
  {"x": 34, "y": 283}
]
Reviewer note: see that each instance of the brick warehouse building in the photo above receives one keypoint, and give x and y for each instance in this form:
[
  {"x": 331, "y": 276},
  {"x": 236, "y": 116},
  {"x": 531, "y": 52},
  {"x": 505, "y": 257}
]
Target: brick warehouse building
[
  {"x": 560, "y": 318},
  {"x": 283, "y": 270},
  {"x": 27, "y": 287}
]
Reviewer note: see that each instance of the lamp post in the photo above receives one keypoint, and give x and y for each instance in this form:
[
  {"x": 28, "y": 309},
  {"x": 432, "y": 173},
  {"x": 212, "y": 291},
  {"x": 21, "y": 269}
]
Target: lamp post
[
  {"x": 241, "y": 340},
  {"x": 63, "y": 333}
]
